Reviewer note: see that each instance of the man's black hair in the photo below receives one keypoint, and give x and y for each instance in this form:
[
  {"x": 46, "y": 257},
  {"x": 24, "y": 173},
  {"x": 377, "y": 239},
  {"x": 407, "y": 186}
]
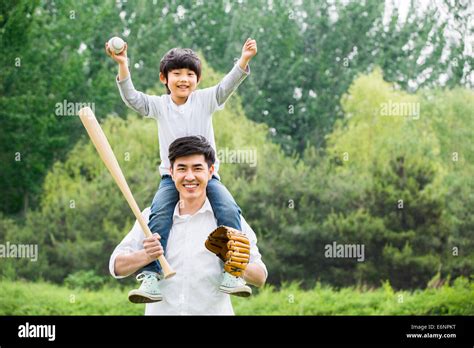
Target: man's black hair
[
  {"x": 192, "y": 145},
  {"x": 180, "y": 58}
]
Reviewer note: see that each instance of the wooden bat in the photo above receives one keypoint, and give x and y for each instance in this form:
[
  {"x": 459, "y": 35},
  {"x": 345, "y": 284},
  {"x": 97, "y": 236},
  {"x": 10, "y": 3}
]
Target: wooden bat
[{"x": 105, "y": 151}]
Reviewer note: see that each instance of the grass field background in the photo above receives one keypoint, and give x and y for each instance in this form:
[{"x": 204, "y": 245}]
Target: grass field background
[{"x": 24, "y": 298}]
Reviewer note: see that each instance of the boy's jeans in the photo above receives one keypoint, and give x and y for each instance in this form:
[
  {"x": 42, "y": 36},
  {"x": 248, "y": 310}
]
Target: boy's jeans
[{"x": 226, "y": 211}]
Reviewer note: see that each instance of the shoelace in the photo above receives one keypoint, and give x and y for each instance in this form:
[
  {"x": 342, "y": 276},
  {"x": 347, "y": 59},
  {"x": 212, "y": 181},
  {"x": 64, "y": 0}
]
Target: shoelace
[{"x": 145, "y": 277}]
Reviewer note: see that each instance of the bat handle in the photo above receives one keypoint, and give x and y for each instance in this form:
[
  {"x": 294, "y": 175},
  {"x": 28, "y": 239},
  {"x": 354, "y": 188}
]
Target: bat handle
[{"x": 167, "y": 270}]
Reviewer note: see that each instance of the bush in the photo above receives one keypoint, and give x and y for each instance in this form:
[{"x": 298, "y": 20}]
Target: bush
[
  {"x": 84, "y": 280},
  {"x": 24, "y": 298}
]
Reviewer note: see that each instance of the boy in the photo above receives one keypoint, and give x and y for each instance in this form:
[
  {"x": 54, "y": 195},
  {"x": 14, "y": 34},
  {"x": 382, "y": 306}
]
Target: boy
[{"x": 183, "y": 111}]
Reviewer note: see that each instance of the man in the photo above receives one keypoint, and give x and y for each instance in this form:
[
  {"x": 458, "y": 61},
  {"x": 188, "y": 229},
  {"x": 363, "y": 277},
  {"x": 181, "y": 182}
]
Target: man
[{"x": 195, "y": 287}]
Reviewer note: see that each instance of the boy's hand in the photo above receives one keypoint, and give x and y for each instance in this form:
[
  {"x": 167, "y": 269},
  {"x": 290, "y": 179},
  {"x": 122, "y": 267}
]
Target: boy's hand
[
  {"x": 153, "y": 247},
  {"x": 249, "y": 50},
  {"x": 120, "y": 58}
]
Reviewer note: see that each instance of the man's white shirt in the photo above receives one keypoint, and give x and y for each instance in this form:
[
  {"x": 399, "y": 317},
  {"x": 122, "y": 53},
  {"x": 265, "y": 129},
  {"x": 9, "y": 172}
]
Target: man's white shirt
[{"x": 195, "y": 287}]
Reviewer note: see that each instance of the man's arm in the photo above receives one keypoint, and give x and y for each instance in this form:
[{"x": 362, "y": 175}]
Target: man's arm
[
  {"x": 255, "y": 275},
  {"x": 256, "y": 272},
  {"x": 127, "y": 264}
]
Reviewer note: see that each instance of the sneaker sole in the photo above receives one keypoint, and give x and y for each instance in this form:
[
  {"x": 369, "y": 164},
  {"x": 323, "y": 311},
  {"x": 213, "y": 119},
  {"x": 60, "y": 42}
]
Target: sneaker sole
[
  {"x": 240, "y": 292},
  {"x": 138, "y": 297}
]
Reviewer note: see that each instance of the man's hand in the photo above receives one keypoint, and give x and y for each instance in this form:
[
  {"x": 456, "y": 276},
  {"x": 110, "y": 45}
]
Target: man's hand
[
  {"x": 248, "y": 52},
  {"x": 153, "y": 247},
  {"x": 232, "y": 247},
  {"x": 120, "y": 58}
]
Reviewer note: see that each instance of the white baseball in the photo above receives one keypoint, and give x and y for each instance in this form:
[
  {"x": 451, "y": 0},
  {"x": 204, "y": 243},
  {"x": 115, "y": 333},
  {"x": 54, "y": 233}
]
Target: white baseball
[{"x": 116, "y": 45}]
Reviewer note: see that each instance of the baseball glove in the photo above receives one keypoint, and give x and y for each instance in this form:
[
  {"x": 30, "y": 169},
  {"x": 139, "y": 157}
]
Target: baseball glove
[{"x": 232, "y": 247}]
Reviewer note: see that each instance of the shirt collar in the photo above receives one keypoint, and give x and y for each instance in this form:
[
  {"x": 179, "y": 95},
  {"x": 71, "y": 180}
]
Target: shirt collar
[
  {"x": 206, "y": 207},
  {"x": 182, "y": 106}
]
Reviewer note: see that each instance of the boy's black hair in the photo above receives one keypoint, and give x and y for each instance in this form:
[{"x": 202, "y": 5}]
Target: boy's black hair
[
  {"x": 180, "y": 58},
  {"x": 191, "y": 145}
]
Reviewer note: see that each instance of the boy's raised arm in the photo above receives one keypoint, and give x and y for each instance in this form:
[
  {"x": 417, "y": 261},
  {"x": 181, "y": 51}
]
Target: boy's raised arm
[
  {"x": 134, "y": 99},
  {"x": 235, "y": 77},
  {"x": 248, "y": 52},
  {"x": 121, "y": 60}
]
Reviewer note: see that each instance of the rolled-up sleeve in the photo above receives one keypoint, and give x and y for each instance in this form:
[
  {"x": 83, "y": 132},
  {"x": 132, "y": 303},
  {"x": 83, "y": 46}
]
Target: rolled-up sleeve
[
  {"x": 132, "y": 242},
  {"x": 255, "y": 256}
]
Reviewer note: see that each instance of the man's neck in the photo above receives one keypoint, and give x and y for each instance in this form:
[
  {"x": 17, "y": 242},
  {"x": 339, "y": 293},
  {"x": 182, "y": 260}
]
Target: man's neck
[{"x": 190, "y": 207}]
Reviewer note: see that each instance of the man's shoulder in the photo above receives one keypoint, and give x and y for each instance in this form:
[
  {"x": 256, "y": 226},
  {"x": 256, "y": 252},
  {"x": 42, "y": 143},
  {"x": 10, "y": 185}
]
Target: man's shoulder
[
  {"x": 246, "y": 227},
  {"x": 146, "y": 213}
]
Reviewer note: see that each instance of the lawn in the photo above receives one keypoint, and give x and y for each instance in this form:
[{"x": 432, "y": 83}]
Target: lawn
[{"x": 25, "y": 298}]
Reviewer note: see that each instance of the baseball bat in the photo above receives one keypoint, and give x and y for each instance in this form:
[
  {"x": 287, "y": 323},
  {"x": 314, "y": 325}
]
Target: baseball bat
[{"x": 102, "y": 145}]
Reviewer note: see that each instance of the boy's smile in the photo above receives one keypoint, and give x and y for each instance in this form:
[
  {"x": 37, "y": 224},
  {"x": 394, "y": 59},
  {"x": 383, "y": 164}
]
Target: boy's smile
[{"x": 181, "y": 83}]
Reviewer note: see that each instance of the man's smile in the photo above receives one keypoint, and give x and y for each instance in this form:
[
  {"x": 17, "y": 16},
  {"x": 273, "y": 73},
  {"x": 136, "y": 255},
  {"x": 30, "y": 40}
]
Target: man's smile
[{"x": 190, "y": 187}]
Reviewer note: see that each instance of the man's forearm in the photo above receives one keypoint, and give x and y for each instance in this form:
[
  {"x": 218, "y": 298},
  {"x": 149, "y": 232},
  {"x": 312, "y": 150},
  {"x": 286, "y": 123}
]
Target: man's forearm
[
  {"x": 127, "y": 264},
  {"x": 254, "y": 275},
  {"x": 123, "y": 72}
]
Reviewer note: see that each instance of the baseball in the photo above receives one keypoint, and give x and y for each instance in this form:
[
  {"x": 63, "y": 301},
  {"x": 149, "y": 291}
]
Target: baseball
[{"x": 116, "y": 44}]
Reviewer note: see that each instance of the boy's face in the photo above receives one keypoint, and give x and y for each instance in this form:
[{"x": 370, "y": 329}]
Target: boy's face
[
  {"x": 181, "y": 82},
  {"x": 191, "y": 175}
]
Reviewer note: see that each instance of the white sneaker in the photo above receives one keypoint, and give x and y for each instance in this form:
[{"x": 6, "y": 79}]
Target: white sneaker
[
  {"x": 149, "y": 291},
  {"x": 234, "y": 286}
]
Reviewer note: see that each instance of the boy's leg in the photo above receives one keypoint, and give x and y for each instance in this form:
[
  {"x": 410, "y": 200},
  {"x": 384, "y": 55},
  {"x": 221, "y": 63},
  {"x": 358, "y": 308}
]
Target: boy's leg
[
  {"x": 227, "y": 213},
  {"x": 226, "y": 210},
  {"x": 161, "y": 220},
  {"x": 161, "y": 216}
]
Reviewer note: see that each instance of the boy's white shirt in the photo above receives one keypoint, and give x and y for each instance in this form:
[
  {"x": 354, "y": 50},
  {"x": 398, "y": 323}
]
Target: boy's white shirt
[
  {"x": 195, "y": 287},
  {"x": 192, "y": 118}
]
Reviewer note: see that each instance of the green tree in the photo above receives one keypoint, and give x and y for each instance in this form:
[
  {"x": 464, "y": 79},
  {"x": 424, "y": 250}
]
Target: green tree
[{"x": 52, "y": 54}]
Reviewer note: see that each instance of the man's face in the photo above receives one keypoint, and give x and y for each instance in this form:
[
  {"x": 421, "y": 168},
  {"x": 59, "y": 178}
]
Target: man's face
[
  {"x": 190, "y": 175},
  {"x": 181, "y": 82}
]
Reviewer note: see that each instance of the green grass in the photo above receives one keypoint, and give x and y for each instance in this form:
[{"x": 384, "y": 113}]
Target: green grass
[{"x": 24, "y": 298}]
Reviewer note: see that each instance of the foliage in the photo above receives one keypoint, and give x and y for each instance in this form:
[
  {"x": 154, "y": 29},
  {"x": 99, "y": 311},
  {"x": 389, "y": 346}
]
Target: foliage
[
  {"x": 84, "y": 280},
  {"x": 331, "y": 167},
  {"x": 21, "y": 298},
  {"x": 384, "y": 182},
  {"x": 54, "y": 54}
]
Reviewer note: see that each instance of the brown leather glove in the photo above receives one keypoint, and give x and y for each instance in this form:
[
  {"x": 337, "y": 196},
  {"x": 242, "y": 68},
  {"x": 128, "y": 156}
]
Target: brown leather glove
[{"x": 232, "y": 247}]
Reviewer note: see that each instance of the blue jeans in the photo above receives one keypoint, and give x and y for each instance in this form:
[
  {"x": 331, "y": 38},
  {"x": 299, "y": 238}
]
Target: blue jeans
[{"x": 226, "y": 211}]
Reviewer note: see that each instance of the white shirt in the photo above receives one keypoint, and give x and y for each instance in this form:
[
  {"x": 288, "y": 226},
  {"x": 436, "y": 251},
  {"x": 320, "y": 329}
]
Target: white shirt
[
  {"x": 195, "y": 287},
  {"x": 192, "y": 118}
]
